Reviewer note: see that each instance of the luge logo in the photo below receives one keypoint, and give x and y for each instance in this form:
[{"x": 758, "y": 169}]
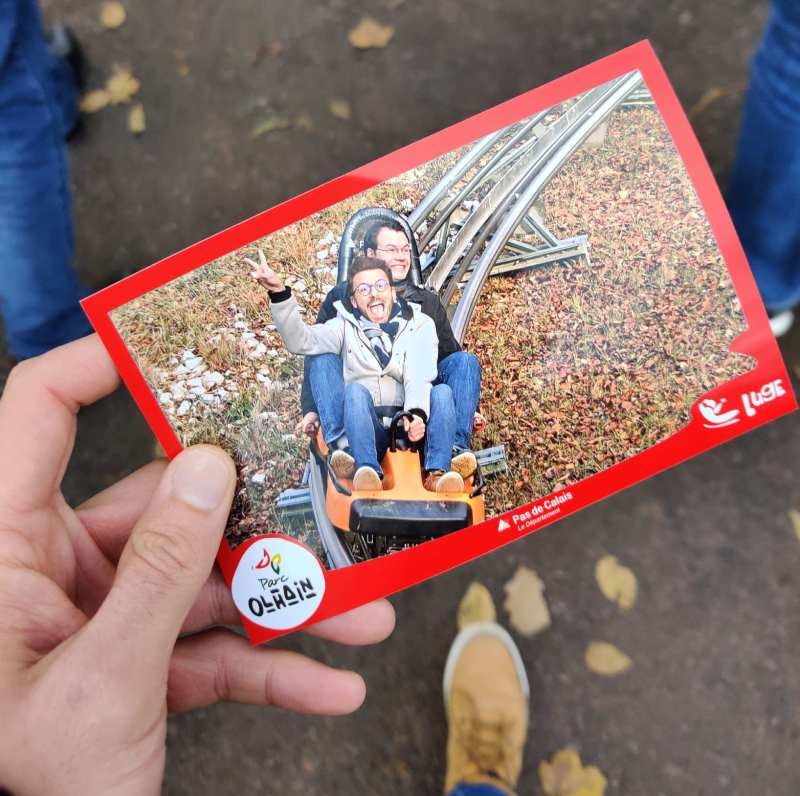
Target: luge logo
[
  {"x": 278, "y": 585},
  {"x": 714, "y": 413}
]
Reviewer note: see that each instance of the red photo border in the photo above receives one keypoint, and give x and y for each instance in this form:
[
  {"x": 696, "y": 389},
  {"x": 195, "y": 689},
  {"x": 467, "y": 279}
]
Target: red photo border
[{"x": 352, "y": 586}]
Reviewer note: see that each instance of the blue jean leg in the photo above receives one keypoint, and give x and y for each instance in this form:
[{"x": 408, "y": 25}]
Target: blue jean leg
[
  {"x": 441, "y": 429},
  {"x": 476, "y": 789},
  {"x": 327, "y": 386},
  {"x": 365, "y": 432},
  {"x": 764, "y": 192},
  {"x": 39, "y": 291},
  {"x": 461, "y": 371}
]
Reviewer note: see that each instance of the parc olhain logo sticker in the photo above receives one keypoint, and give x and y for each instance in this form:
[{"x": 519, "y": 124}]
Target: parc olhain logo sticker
[
  {"x": 278, "y": 583},
  {"x": 718, "y": 414}
]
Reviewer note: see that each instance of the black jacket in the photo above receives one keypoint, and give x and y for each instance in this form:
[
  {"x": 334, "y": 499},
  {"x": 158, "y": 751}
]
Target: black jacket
[{"x": 428, "y": 302}]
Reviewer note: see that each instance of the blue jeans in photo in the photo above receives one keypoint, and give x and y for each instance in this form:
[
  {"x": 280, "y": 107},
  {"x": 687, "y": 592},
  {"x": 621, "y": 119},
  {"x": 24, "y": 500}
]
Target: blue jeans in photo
[
  {"x": 369, "y": 438},
  {"x": 459, "y": 371},
  {"x": 764, "y": 191},
  {"x": 39, "y": 291},
  {"x": 367, "y": 435}
]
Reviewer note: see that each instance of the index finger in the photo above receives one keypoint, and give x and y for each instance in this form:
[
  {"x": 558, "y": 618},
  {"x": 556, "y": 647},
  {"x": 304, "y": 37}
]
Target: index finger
[{"x": 38, "y": 413}]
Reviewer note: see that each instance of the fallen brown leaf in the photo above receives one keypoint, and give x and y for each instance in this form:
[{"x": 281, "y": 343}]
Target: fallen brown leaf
[
  {"x": 94, "y": 101},
  {"x": 712, "y": 95},
  {"x": 476, "y": 606},
  {"x": 136, "y": 120},
  {"x": 604, "y": 658},
  {"x": 565, "y": 775},
  {"x": 617, "y": 583},
  {"x": 340, "y": 108},
  {"x": 112, "y": 14},
  {"x": 121, "y": 86},
  {"x": 525, "y": 603},
  {"x": 369, "y": 33}
]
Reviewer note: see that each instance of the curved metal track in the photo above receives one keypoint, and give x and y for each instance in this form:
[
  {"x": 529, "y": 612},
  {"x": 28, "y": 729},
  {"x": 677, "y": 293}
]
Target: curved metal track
[{"x": 492, "y": 222}]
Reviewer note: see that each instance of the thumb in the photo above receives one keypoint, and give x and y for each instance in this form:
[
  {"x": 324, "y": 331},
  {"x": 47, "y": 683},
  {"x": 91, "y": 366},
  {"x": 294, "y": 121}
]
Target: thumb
[{"x": 167, "y": 559}]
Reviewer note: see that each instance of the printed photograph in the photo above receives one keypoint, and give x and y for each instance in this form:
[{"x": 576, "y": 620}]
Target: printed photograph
[{"x": 484, "y": 330}]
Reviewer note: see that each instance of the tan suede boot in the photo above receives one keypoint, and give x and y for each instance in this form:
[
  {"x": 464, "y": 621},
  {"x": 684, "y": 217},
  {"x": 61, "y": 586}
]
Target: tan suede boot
[{"x": 486, "y": 700}]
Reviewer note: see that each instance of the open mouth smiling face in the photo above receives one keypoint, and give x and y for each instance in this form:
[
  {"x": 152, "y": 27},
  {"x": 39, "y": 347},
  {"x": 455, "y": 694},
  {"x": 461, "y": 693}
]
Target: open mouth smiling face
[{"x": 372, "y": 295}]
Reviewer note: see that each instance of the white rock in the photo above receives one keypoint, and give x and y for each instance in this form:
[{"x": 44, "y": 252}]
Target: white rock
[
  {"x": 209, "y": 399},
  {"x": 212, "y": 379},
  {"x": 178, "y": 390},
  {"x": 199, "y": 390},
  {"x": 240, "y": 325},
  {"x": 193, "y": 363},
  {"x": 187, "y": 354},
  {"x": 263, "y": 379},
  {"x": 197, "y": 381},
  {"x": 327, "y": 239},
  {"x": 180, "y": 371},
  {"x": 407, "y": 205},
  {"x": 259, "y": 350},
  {"x": 270, "y": 327},
  {"x": 222, "y": 394},
  {"x": 173, "y": 362},
  {"x": 184, "y": 408},
  {"x": 259, "y": 477},
  {"x": 288, "y": 437},
  {"x": 248, "y": 335},
  {"x": 300, "y": 287},
  {"x": 165, "y": 398},
  {"x": 322, "y": 255},
  {"x": 334, "y": 250},
  {"x": 269, "y": 415}
]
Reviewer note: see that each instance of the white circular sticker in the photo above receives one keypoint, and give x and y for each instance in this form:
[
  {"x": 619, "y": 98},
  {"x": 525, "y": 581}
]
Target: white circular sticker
[{"x": 278, "y": 583}]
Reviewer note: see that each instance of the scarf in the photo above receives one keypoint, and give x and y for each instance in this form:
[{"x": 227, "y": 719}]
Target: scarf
[{"x": 380, "y": 335}]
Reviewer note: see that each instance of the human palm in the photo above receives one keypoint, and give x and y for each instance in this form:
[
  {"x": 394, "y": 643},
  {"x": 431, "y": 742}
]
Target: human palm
[{"x": 93, "y": 600}]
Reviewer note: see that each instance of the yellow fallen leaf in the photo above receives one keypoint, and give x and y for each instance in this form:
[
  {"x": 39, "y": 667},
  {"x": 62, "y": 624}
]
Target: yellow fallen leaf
[
  {"x": 136, "y": 121},
  {"x": 525, "y": 603},
  {"x": 565, "y": 775},
  {"x": 340, "y": 108},
  {"x": 794, "y": 516},
  {"x": 370, "y": 33},
  {"x": 623, "y": 194},
  {"x": 121, "y": 86},
  {"x": 604, "y": 658},
  {"x": 93, "y": 101},
  {"x": 112, "y": 14},
  {"x": 476, "y": 606},
  {"x": 617, "y": 583},
  {"x": 269, "y": 125}
]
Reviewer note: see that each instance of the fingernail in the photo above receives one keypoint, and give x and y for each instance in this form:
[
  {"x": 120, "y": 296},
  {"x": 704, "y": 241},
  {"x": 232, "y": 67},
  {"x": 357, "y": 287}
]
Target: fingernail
[{"x": 201, "y": 478}]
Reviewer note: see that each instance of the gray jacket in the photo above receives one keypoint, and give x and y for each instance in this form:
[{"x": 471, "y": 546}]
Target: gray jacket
[{"x": 405, "y": 381}]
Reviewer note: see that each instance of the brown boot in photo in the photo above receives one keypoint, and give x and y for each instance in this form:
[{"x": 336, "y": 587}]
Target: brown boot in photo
[
  {"x": 486, "y": 696},
  {"x": 465, "y": 464},
  {"x": 367, "y": 480},
  {"x": 444, "y": 483}
]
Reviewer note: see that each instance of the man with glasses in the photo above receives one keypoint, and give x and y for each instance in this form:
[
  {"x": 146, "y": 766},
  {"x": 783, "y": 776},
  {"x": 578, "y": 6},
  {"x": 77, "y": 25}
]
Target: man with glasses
[
  {"x": 459, "y": 371},
  {"x": 386, "y": 354}
]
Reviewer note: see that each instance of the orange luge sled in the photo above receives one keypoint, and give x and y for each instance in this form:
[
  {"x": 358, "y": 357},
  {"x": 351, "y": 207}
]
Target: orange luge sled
[{"x": 403, "y": 513}]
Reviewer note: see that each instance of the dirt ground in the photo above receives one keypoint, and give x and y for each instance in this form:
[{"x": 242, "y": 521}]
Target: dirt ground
[{"x": 710, "y": 705}]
